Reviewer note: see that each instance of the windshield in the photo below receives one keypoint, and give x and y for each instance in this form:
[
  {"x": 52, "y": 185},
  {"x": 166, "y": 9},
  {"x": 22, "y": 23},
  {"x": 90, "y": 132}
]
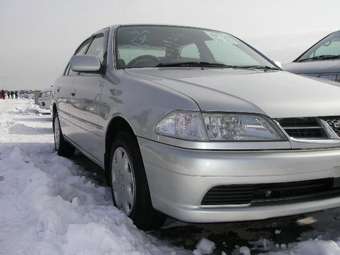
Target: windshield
[
  {"x": 327, "y": 48},
  {"x": 161, "y": 46}
]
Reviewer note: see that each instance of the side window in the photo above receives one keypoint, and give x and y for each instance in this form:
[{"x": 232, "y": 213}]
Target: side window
[
  {"x": 190, "y": 51},
  {"x": 97, "y": 48},
  {"x": 83, "y": 47},
  {"x": 80, "y": 51}
]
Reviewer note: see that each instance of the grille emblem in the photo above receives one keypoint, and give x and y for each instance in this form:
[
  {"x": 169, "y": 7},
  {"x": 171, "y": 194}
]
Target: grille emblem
[{"x": 336, "y": 123}]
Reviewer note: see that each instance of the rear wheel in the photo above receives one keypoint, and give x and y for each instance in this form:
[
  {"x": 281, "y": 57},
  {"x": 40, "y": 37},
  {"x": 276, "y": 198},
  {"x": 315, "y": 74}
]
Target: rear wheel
[
  {"x": 62, "y": 147},
  {"x": 130, "y": 191}
]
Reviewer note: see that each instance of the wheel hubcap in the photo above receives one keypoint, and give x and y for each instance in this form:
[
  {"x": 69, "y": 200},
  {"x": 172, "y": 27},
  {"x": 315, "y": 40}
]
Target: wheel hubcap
[
  {"x": 123, "y": 181},
  {"x": 56, "y": 133}
]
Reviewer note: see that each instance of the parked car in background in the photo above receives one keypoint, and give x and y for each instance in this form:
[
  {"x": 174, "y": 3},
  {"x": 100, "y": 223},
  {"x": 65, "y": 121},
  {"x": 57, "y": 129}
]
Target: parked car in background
[
  {"x": 195, "y": 124},
  {"x": 44, "y": 99},
  {"x": 321, "y": 60}
]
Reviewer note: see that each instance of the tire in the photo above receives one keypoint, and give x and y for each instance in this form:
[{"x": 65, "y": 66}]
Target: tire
[
  {"x": 62, "y": 147},
  {"x": 140, "y": 210}
]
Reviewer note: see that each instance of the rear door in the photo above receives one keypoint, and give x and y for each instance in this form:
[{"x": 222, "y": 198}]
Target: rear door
[{"x": 86, "y": 95}]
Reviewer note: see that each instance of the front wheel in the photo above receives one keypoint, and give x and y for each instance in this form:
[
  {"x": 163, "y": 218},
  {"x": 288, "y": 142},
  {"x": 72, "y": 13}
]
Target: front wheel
[
  {"x": 130, "y": 191},
  {"x": 62, "y": 147}
]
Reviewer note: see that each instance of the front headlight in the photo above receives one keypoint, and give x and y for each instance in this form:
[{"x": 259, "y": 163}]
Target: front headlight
[
  {"x": 240, "y": 127},
  {"x": 183, "y": 125},
  {"x": 218, "y": 127}
]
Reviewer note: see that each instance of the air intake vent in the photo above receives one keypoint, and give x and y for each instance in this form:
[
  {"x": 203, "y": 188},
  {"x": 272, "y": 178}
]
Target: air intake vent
[
  {"x": 271, "y": 193},
  {"x": 303, "y": 128}
]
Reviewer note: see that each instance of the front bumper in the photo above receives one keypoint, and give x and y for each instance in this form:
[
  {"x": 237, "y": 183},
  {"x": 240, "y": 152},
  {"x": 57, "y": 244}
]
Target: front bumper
[{"x": 179, "y": 178}]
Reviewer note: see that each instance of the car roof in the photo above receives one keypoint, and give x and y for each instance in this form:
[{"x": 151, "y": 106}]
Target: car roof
[{"x": 115, "y": 26}]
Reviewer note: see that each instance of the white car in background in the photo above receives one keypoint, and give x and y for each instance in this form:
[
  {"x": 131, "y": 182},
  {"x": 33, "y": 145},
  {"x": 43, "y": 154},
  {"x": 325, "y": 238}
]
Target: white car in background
[{"x": 44, "y": 99}]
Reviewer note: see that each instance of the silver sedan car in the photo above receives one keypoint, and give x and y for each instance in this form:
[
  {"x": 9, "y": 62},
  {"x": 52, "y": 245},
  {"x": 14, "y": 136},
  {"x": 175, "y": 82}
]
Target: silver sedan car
[{"x": 198, "y": 125}]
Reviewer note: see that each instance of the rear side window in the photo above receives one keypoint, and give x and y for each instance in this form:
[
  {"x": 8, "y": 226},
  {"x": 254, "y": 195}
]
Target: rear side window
[{"x": 97, "y": 48}]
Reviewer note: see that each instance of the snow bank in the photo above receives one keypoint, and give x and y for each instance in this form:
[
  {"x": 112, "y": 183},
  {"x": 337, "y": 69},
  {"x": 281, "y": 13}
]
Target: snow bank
[
  {"x": 29, "y": 107},
  {"x": 49, "y": 207},
  {"x": 204, "y": 246},
  {"x": 312, "y": 247}
]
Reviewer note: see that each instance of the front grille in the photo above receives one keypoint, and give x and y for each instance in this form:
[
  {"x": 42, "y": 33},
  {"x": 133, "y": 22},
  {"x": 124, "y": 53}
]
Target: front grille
[
  {"x": 303, "y": 128},
  {"x": 272, "y": 193},
  {"x": 310, "y": 127}
]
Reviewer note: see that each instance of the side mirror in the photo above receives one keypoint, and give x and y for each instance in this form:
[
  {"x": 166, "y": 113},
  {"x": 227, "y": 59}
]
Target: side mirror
[
  {"x": 278, "y": 63},
  {"x": 85, "y": 64}
]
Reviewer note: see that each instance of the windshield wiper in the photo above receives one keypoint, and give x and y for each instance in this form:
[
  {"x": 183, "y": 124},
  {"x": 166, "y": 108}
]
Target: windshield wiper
[
  {"x": 194, "y": 64},
  {"x": 217, "y": 65},
  {"x": 321, "y": 57},
  {"x": 257, "y": 67}
]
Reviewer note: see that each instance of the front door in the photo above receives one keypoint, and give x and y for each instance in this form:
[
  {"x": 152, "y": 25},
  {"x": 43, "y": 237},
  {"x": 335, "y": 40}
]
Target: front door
[{"x": 85, "y": 97}]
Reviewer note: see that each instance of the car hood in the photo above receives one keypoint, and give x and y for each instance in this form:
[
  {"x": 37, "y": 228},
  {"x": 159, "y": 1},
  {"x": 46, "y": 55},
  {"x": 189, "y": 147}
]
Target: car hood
[
  {"x": 277, "y": 94},
  {"x": 314, "y": 67}
]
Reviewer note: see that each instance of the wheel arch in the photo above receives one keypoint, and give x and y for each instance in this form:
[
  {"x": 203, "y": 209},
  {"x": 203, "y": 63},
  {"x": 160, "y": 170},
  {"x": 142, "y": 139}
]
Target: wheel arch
[{"x": 117, "y": 124}]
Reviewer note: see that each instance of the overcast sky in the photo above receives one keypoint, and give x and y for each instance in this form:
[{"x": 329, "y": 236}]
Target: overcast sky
[{"x": 39, "y": 36}]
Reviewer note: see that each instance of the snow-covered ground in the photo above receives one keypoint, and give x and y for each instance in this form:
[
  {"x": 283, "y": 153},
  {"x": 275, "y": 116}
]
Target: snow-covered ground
[
  {"x": 47, "y": 205},
  {"x": 50, "y": 205}
]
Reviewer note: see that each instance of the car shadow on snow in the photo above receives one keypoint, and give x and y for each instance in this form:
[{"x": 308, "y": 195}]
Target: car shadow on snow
[
  {"x": 91, "y": 170},
  {"x": 259, "y": 236}
]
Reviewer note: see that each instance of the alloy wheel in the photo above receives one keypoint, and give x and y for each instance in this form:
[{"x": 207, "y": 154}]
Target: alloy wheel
[{"x": 123, "y": 181}]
